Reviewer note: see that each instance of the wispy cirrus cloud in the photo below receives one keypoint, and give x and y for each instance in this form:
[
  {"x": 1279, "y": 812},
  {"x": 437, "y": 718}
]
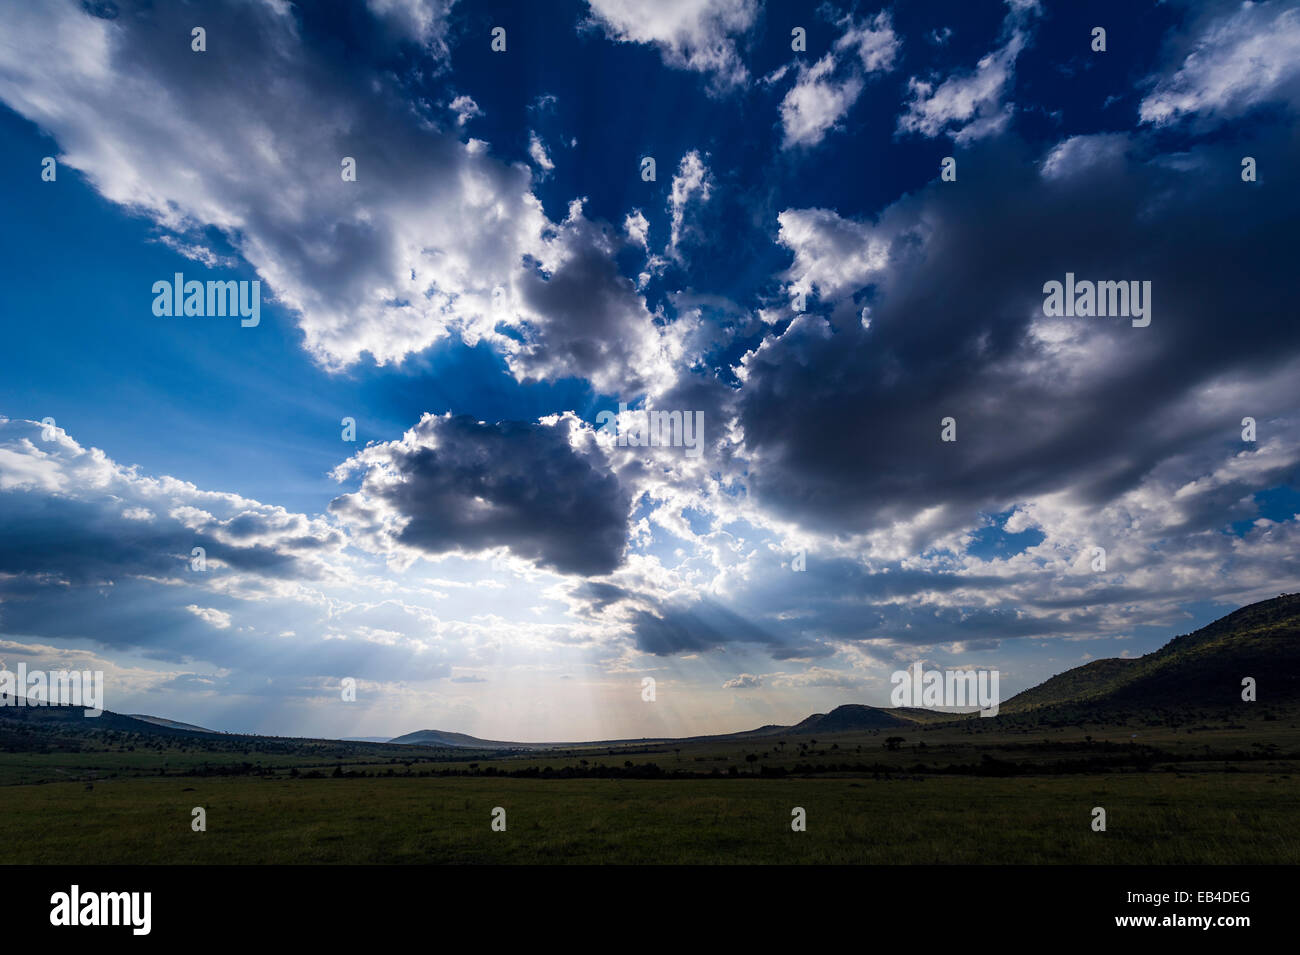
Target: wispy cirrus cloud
[{"x": 1237, "y": 61}]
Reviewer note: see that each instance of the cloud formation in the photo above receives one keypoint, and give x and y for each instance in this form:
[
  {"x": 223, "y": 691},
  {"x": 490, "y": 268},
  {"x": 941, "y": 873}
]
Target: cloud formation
[
  {"x": 453, "y": 484},
  {"x": 824, "y": 92},
  {"x": 1237, "y": 61},
  {"x": 827, "y": 530},
  {"x": 699, "y": 35},
  {"x": 970, "y": 106},
  {"x": 436, "y": 237}
]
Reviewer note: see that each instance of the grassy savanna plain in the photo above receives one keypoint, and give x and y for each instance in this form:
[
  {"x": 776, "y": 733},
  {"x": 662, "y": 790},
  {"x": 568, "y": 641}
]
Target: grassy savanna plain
[
  {"x": 1192, "y": 788},
  {"x": 1153, "y": 818}
]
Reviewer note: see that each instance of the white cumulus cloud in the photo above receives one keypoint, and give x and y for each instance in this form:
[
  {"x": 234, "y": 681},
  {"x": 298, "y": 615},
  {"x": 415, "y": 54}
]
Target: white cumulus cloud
[{"x": 697, "y": 35}]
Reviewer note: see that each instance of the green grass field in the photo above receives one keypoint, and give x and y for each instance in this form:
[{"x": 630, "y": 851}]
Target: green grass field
[
  {"x": 1192, "y": 788},
  {"x": 1152, "y": 818}
]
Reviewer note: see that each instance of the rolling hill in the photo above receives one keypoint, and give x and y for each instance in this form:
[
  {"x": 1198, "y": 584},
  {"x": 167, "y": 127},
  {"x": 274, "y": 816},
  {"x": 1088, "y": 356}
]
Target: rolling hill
[
  {"x": 461, "y": 740},
  {"x": 172, "y": 724},
  {"x": 72, "y": 718},
  {"x": 1200, "y": 669}
]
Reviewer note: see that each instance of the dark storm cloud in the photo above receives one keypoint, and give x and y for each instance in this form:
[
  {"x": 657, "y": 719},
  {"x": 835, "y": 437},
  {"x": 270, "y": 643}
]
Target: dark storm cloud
[
  {"x": 88, "y": 542},
  {"x": 846, "y": 420},
  {"x": 839, "y": 600},
  {"x": 699, "y": 626},
  {"x": 92, "y": 551},
  {"x": 457, "y": 484},
  {"x": 148, "y": 618},
  {"x": 598, "y": 595},
  {"x": 588, "y": 320},
  {"x": 81, "y": 542}
]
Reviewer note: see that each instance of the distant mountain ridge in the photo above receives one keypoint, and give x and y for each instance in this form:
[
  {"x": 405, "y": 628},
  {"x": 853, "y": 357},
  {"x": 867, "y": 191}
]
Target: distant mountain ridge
[
  {"x": 74, "y": 716},
  {"x": 170, "y": 724},
  {"x": 463, "y": 740},
  {"x": 846, "y": 718},
  {"x": 1201, "y": 669}
]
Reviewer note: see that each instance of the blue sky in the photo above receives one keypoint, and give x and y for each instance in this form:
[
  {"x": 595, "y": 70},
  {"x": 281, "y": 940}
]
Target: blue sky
[{"x": 484, "y": 557}]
